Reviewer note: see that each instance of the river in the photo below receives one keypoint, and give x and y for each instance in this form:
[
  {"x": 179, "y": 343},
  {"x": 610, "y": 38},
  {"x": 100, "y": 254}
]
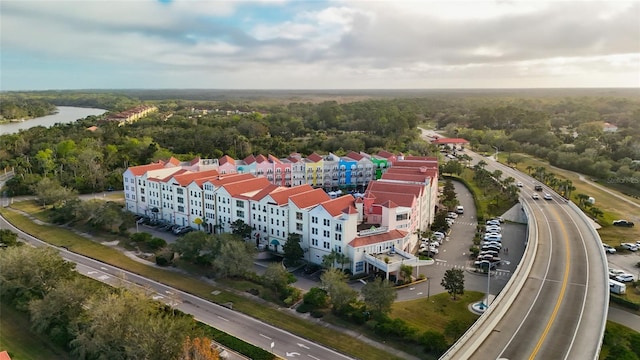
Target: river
[{"x": 65, "y": 114}]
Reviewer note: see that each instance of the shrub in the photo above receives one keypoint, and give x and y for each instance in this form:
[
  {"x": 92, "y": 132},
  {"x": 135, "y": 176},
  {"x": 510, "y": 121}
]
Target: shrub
[
  {"x": 434, "y": 342},
  {"x": 316, "y": 298},
  {"x": 164, "y": 258}
]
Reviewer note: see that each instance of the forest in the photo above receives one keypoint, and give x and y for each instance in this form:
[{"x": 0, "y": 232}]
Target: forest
[{"x": 564, "y": 127}]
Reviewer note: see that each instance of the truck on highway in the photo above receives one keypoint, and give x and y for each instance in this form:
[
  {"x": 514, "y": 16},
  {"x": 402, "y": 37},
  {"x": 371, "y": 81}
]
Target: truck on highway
[
  {"x": 538, "y": 187},
  {"x": 617, "y": 287}
]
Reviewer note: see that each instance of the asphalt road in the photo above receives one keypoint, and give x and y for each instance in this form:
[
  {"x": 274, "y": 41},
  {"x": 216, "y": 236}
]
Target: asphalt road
[
  {"x": 280, "y": 342},
  {"x": 561, "y": 310}
]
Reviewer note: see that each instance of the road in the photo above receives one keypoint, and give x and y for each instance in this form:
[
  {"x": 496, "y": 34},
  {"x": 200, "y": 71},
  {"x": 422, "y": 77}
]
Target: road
[
  {"x": 561, "y": 310},
  {"x": 280, "y": 342}
]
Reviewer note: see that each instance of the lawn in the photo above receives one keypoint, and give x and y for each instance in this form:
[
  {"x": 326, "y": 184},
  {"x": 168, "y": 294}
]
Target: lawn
[
  {"x": 434, "y": 313},
  {"x": 612, "y": 207},
  {"x": 20, "y": 342},
  {"x": 269, "y": 314}
]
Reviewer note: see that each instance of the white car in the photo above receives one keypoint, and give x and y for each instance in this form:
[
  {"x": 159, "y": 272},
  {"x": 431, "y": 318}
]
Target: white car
[
  {"x": 547, "y": 196},
  {"x": 625, "y": 278},
  {"x": 493, "y": 222},
  {"x": 535, "y": 196},
  {"x": 452, "y": 215},
  {"x": 519, "y": 184},
  {"x": 433, "y": 250},
  {"x": 489, "y": 252},
  {"x": 630, "y": 246},
  {"x": 615, "y": 272},
  {"x": 434, "y": 243},
  {"x": 438, "y": 235},
  {"x": 609, "y": 249},
  {"x": 493, "y": 229}
]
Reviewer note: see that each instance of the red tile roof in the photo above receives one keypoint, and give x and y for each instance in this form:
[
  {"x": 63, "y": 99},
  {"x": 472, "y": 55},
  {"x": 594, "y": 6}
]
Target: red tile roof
[
  {"x": 4, "y": 355},
  {"x": 385, "y": 154},
  {"x": 220, "y": 180},
  {"x": 309, "y": 199},
  {"x": 282, "y": 197},
  {"x": 274, "y": 159},
  {"x": 266, "y": 191},
  {"x": 418, "y": 178},
  {"x": 187, "y": 178},
  {"x": 390, "y": 204},
  {"x": 354, "y": 155},
  {"x": 400, "y": 188},
  {"x": 260, "y": 158},
  {"x": 377, "y": 238},
  {"x": 226, "y": 159},
  {"x": 250, "y": 159},
  {"x": 142, "y": 169},
  {"x": 421, "y": 158},
  {"x": 415, "y": 164},
  {"x": 168, "y": 177},
  {"x": 173, "y": 161},
  {"x": 336, "y": 206},
  {"x": 350, "y": 210},
  {"x": 399, "y": 199},
  {"x": 314, "y": 157},
  {"x": 244, "y": 186}
]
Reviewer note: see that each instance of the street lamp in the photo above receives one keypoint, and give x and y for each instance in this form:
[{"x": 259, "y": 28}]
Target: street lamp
[
  {"x": 428, "y": 287},
  {"x": 496, "y": 156},
  {"x": 488, "y": 279}
]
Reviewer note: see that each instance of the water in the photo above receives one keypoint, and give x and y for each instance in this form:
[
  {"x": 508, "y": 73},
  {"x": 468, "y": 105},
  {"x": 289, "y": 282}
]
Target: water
[{"x": 66, "y": 114}]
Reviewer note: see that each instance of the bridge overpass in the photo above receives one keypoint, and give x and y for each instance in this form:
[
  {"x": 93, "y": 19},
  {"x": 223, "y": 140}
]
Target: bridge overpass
[{"x": 555, "y": 306}]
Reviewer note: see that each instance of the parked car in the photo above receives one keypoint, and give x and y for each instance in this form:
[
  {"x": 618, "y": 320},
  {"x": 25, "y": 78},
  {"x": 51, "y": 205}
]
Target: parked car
[
  {"x": 493, "y": 229},
  {"x": 491, "y": 243},
  {"x": 433, "y": 250},
  {"x": 493, "y": 222},
  {"x": 452, "y": 215},
  {"x": 434, "y": 243},
  {"x": 547, "y": 196},
  {"x": 615, "y": 272},
  {"x": 460, "y": 209},
  {"x": 493, "y": 237},
  {"x": 480, "y": 263},
  {"x": 489, "y": 252},
  {"x": 629, "y": 246},
  {"x": 625, "y": 278},
  {"x": 490, "y": 247},
  {"x": 535, "y": 196},
  {"x": 609, "y": 249},
  {"x": 623, "y": 223}
]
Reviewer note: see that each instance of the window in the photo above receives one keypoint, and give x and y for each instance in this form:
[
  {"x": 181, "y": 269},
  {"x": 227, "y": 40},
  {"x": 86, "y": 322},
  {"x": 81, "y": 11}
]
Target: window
[
  {"x": 338, "y": 227},
  {"x": 314, "y": 231},
  {"x": 314, "y": 242},
  {"x": 325, "y": 245},
  {"x": 359, "y": 266},
  {"x": 401, "y": 217},
  {"x": 180, "y": 200},
  {"x": 314, "y": 219},
  {"x": 326, "y": 233},
  {"x": 181, "y": 209},
  {"x": 240, "y": 204},
  {"x": 180, "y": 191},
  {"x": 298, "y": 215},
  {"x": 338, "y": 237},
  {"x": 142, "y": 198},
  {"x": 326, "y": 222},
  {"x": 271, "y": 221},
  {"x": 298, "y": 227},
  {"x": 141, "y": 190},
  {"x": 240, "y": 213}
]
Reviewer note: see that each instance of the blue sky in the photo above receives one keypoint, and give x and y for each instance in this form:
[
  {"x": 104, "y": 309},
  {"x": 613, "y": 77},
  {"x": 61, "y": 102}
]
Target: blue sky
[{"x": 93, "y": 44}]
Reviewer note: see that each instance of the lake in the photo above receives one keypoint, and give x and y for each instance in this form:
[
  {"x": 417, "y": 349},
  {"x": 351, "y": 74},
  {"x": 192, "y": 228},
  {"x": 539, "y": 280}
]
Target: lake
[{"x": 65, "y": 114}]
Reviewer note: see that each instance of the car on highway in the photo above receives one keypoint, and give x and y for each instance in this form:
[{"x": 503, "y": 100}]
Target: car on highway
[
  {"x": 535, "y": 196},
  {"x": 519, "y": 184},
  {"x": 629, "y": 246},
  {"x": 609, "y": 249},
  {"x": 547, "y": 196},
  {"x": 538, "y": 187},
  {"x": 623, "y": 223},
  {"x": 624, "y": 278}
]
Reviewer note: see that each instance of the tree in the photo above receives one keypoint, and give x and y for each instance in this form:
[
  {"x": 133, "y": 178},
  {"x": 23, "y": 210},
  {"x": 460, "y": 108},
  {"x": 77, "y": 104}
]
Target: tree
[
  {"x": 434, "y": 342},
  {"x": 329, "y": 260},
  {"x": 292, "y": 250},
  {"x": 56, "y": 313},
  {"x": 276, "y": 278},
  {"x": 379, "y": 295},
  {"x": 28, "y": 273},
  {"x": 129, "y": 325},
  {"x": 8, "y": 238},
  {"x": 241, "y": 229},
  {"x": 406, "y": 271},
  {"x": 234, "y": 260},
  {"x": 334, "y": 282},
  {"x": 316, "y": 297},
  {"x": 453, "y": 282},
  {"x": 199, "y": 348},
  {"x": 50, "y": 192},
  {"x": 190, "y": 245}
]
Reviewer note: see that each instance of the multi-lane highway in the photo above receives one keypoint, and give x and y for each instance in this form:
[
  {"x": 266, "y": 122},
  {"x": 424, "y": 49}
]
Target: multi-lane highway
[{"x": 560, "y": 309}]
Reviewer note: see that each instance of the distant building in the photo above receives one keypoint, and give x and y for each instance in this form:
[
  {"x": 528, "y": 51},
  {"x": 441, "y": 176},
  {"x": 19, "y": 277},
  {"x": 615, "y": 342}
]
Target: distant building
[
  {"x": 131, "y": 115},
  {"x": 608, "y": 127}
]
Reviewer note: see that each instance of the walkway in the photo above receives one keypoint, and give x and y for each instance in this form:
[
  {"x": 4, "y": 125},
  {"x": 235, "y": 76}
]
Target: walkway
[{"x": 624, "y": 317}]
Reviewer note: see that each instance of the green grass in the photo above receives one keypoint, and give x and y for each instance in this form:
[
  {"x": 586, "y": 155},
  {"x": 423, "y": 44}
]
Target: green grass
[
  {"x": 612, "y": 207},
  {"x": 434, "y": 313},
  {"x": 620, "y": 342},
  {"x": 62, "y": 237},
  {"x": 20, "y": 342}
]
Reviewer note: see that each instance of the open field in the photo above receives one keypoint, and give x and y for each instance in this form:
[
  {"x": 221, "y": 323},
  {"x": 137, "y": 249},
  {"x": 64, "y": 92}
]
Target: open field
[
  {"x": 62, "y": 237},
  {"x": 612, "y": 207}
]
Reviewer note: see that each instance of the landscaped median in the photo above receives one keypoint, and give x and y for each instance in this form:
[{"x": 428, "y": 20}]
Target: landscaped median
[{"x": 65, "y": 238}]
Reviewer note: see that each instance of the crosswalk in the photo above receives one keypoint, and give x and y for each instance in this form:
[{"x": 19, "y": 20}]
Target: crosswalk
[{"x": 465, "y": 223}]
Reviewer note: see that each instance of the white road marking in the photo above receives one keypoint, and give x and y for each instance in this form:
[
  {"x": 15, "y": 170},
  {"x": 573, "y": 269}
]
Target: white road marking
[
  {"x": 103, "y": 277},
  {"x": 103, "y": 268},
  {"x": 420, "y": 293},
  {"x": 313, "y": 357},
  {"x": 292, "y": 354},
  {"x": 223, "y": 319},
  {"x": 412, "y": 288},
  {"x": 92, "y": 272},
  {"x": 303, "y": 346},
  {"x": 265, "y": 336},
  {"x": 157, "y": 297}
]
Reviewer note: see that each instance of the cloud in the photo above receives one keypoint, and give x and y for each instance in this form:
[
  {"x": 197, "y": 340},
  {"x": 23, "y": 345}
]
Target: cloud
[{"x": 279, "y": 44}]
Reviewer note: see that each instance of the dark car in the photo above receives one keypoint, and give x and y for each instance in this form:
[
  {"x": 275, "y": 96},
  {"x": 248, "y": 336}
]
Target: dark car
[{"x": 623, "y": 223}]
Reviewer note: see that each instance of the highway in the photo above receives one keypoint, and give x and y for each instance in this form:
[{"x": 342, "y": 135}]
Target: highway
[
  {"x": 561, "y": 309},
  {"x": 277, "y": 341}
]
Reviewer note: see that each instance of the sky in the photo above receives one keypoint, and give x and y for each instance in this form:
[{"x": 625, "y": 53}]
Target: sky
[{"x": 334, "y": 44}]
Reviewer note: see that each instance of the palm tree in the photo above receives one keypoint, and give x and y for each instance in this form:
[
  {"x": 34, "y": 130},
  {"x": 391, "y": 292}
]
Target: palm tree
[
  {"x": 582, "y": 199},
  {"x": 530, "y": 169}
]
